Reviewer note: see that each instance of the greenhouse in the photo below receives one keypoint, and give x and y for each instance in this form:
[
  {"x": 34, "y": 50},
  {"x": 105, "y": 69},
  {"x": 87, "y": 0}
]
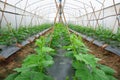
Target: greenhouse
[{"x": 59, "y": 39}]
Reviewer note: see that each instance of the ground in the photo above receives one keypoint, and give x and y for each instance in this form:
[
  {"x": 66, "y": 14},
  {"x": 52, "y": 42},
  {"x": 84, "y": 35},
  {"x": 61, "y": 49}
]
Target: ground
[
  {"x": 14, "y": 61},
  {"x": 107, "y": 58}
]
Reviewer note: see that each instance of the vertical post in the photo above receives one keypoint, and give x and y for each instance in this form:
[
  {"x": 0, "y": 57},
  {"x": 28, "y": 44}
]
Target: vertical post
[
  {"x": 60, "y": 11},
  {"x": 3, "y": 13},
  {"x": 116, "y": 13},
  {"x": 23, "y": 13},
  {"x": 63, "y": 12},
  {"x": 32, "y": 19},
  {"x": 94, "y": 15},
  {"x": 102, "y": 9},
  {"x": 15, "y": 17},
  {"x": 86, "y": 15},
  {"x": 57, "y": 11}
]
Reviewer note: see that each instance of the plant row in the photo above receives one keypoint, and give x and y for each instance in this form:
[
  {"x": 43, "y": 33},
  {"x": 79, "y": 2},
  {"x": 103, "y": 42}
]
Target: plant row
[
  {"x": 34, "y": 66},
  {"x": 85, "y": 65},
  {"x": 101, "y": 34},
  {"x": 12, "y": 36},
  {"x": 60, "y": 33}
]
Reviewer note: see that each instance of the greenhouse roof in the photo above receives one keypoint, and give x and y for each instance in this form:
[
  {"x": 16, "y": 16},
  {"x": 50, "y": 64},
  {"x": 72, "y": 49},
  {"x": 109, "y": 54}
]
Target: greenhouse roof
[{"x": 74, "y": 8}]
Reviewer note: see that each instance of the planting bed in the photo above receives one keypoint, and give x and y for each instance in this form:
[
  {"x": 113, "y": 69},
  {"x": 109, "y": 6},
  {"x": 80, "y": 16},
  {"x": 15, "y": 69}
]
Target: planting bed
[
  {"x": 106, "y": 57},
  {"x": 9, "y": 50},
  {"x": 107, "y": 47},
  {"x": 60, "y": 56},
  {"x": 15, "y": 60}
]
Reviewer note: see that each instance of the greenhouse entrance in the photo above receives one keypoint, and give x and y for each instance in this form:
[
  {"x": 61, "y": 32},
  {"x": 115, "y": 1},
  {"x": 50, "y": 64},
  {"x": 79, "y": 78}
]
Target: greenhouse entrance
[{"x": 59, "y": 40}]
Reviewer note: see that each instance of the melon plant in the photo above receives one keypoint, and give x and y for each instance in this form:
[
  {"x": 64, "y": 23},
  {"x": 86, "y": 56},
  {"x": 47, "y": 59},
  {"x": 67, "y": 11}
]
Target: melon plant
[
  {"x": 86, "y": 65},
  {"x": 34, "y": 66}
]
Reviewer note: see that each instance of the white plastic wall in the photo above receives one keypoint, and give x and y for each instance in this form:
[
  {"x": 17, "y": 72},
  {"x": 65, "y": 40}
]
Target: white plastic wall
[
  {"x": 106, "y": 21},
  {"x": 15, "y": 20}
]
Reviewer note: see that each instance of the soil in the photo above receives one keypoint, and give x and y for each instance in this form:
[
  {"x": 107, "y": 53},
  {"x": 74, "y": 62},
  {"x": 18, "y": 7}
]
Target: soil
[
  {"x": 14, "y": 61},
  {"x": 62, "y": 65},
  {"x": 107, "y": 58}
]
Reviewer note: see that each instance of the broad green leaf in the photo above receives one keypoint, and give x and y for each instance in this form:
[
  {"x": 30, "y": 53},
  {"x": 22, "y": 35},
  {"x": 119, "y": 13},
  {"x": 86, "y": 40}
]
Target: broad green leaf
[
  {"x": 69, "y": 54},
  {"x": 26, "y": 68},
  {"x": 111, "y": 77},
  {"x": 78, "y": 65},
  {"x": 31, "y": 60},
  {"x": 83, "y": 74},
  {"x": 47, "y": 63},
  {"x": 88, "y": 59},
  {"x": 107, "y": 69},
  {"x": 47, "y": 49},
  {"x": 48, "y": 57},
  {"x": 12, "y": 76},
  {"x": 99, "y": 75},
  {"x": 30, "y": 75}
]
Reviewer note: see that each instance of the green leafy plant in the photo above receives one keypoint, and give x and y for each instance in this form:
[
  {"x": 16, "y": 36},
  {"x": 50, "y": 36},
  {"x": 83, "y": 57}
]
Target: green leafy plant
[
  {"x": 60, "y": 32},
  {"x": 11, "y": 37},
  {"x": 33, "y": 67},
  {"x": 86, "y": 65},
  {"x": 100, "y": 33}
]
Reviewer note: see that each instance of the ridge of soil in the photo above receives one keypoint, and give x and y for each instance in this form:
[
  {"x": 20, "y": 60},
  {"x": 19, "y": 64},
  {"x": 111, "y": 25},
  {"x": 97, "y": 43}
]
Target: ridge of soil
[
  {"x": 107, "y": 58},
  {"x": 14, "y": 61}
]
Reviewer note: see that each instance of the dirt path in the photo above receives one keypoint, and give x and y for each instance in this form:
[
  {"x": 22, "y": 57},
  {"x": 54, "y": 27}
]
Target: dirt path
[{"x": 62, "y": 67}]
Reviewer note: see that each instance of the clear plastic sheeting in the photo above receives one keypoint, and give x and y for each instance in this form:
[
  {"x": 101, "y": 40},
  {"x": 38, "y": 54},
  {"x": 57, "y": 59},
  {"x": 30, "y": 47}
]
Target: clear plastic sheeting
[
  {"x": 78, "y": 4},
  {"x": 82, "y": 12}
]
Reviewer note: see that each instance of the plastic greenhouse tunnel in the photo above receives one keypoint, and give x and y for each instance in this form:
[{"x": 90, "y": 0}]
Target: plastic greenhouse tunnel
[{"x": 59, "y": 39}]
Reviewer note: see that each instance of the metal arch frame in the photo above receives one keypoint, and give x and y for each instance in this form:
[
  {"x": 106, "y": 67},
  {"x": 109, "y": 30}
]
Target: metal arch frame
[
  {"x": 53, "y": 6},
  {"x": 87, "y": 4},
  {"x": 54, "y": 12},
  {"x": 35, "y": 3},
  {"x": 40, "y": 6},
  {"x": 50, "y": 3},
  {"x": 66, "y": 8},
  {"x": 55, "y": 9},
  {"x": 65, "y": 13},
  {"x": 75, "y": 5},
  {"x": 18, "y": 2},
  {"x": 45, "y": 0},
  {"x": 82, "y": 3},
  {"x": 69, "y": 11}
]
